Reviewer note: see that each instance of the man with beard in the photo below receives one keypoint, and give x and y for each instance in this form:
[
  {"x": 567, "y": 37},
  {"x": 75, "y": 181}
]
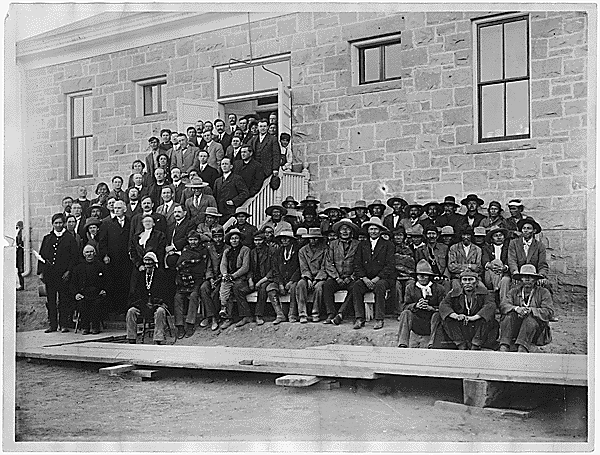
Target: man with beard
[{"x": 376, "y": 208}]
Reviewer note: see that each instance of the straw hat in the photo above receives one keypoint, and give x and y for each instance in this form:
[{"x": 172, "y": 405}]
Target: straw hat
[
  {"x": 196, "y": 182},
  {"x": 492, "y": 231},
  {"x": 240, "y": 210},
  {"x": 447, "y": 230},
  {"x": 376, "y": 203},
  {"x": 527, "y": 270},
  {"x": 374, "y": 221},
  {"x": 233, "y": 232},
  {"x": 313, "y": 233},
  {"x": 285, "y": 233},
  {"x": 212, "y": 211}
]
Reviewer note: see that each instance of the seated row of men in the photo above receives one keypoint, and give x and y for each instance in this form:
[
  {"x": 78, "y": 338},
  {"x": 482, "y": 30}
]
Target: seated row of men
[{"x": 219, "y": 279}]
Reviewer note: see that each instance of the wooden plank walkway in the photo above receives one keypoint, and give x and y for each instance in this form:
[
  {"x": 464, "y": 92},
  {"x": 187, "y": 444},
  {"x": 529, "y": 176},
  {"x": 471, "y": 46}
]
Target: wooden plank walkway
[{"x": 365, "y": 362}]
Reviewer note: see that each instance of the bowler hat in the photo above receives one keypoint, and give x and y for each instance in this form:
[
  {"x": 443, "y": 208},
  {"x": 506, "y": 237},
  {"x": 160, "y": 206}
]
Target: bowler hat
[
  {"x": 424, "y": 268},
  {"x": 472, "y": 197},
  {"x": 374, "y": 221},
  {"x": 528, "y": 220},
  {"x": 527, "y": 270},
  {"x": 232, "y": 232},
  {"x": 313, "y": 233},
  {"x": 103, "y": 210},
  {"x": 410, "y": 206},
  {"x": 345, "y": 222},
  {"x": 196, "y": 182},
  {"x": 390, "y": 201},
  {"x": 450, "y": 200},
  {"x": 269, "y": 210}
]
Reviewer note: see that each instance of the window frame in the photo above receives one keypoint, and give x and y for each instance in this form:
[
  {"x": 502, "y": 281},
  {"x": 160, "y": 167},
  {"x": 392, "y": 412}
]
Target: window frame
[
  {"x": 478, "y": 86},
  {"x": 140, "y": 100},
  {"x": 361, "y": 60},
  {"x": 73, "y": 140}
]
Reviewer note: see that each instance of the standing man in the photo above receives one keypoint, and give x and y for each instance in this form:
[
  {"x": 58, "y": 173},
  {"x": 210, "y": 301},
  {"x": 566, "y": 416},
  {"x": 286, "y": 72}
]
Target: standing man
[
  {"x": 414, "y": 217},
  {"x": 214, "y": 149},
  {"x": 525, "y": 249},
  {"x": 59, "y": 255},
  {"x": 196, "y": 205},
  {"x": 205, "y": 171},
  {"x": 250, "y": 170},
  {"x": 223, "y": 137},
  {"x": 449, "y": 217},
  {"x": 147, "y": 210},
  {"x": 376, "y": 208},
  {"x": 374, "y": 270},
  {"x": 184, "y": 157},
  {"x": 178, "y": 185},
  {"x": 117, "y": 191},
  {"x": 515, "y": 207},
  {"x": 432, "y": 211},
  {"x": 360, "y": 210},
  {"x": 233, "y": 126},
  {"x": 230, "y": 191},
  {"x": 494, "y": 259},
  {"x": 152, "y": 157},
  {"x": 393, "y": 220},
  {"x": 266, "y": 149},
  {"x": 168, "y": 205},
  {"x": 472, "y": 218},
  {"x": 133, "y": 207}
]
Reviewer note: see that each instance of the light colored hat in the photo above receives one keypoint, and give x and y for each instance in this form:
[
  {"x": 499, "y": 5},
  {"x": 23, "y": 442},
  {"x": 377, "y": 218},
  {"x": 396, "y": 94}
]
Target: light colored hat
[
  {"x": 417, "y": 229},
  {"x": 447, "y": 230},
  {"x": 527, "y": 270},
  {"x": 196, "y": 182},
  {"x": 151, "y": 255},
  {"x": 301, "y": 231},
  {"x": 232, "y": 232},
  {"x": 240, "y": 210},
  {"x": 212, "y": 211},
  {"x": 374, "y": 221},
  {"x": 313, "y": 233},
  {"x": 515, "y": 203},
  {"x": 424, "y": 268},
  {"x": 285, "y": 233},
  {"x": 344, "y": 222},
  {"x": 360, "y": 204},
  {"x": 479, "y": 231},
  {"x": 376, "y": 203}
]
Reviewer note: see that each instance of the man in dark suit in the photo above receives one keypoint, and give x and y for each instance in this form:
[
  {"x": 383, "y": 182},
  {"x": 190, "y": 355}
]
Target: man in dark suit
[
  {"x": 472, "y": 218},
  {"x": 374, "y": 270},
  {"x": 77, "y": 212},
  {"x": 196, "y": 205},
  {"x": 205, "y": 171},
  {"x": 178, "y": 185},
  {"x": 155, "y": 189},
  {"x": 266, "y": 149},
  {"x": 232, "y": 123},
  {"x": 114, "y": 243},
  {"x": 527, "y": 250},
  {"x": 494, "y": 260},
  {"x": 177, "y": 235},
  {"x": 184, "y": 157},
  {"x": 134, "y": 206},
  {"x": 152, "y": 158},
  {"x": 250, "y": 170},
  {"x": 147, "y": 206},
  {"x": 214, "y": 149},
  {"x": 223, "y": 137},
  {"x": 230, "y": 191},
  {"x": 393, "y": 220}
]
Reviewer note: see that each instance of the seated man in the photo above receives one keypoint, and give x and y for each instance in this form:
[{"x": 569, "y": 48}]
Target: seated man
[
  {"x": 404, "y": 263},
  {"x": 276, "y": 213},
  {"x": 148, "y": 300},
  {"x": 235, "y": 266},
  {"x": 209, "y": 289},
  {"x": 89, "y": 287},
  {"x": 339, "y": 266},
  {"x": 494, "y": 259},
  {"x": 312, "y": 275},
  {"x": 464, "y": 256},
  {"x": 436, "y": 254},
  {"x": 284, "y": 276},
  {"x": 467, "y": 314},
  {"x": 525, "y": 249},
  {"x": 191, "y": 272},
  {"x": 526, "y": 312},
  {"x": 261, "y": 262},
  {"x": 421, "y": 305},
  {"x": 242, "y": 225},
  {"x": 374, "y": 270},
  {"x": 211, "y": 221}
]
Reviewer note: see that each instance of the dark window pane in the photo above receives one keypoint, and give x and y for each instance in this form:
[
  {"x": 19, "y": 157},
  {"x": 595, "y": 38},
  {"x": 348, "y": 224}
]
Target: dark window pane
[
  {"x": 515, "y": 49},
  {"x": 77, "y": 116},
  {"x": 393, "y": 67},
  {"x": 517, "y": 108},
  {"x": 490, "y": 53},
  {"x": 372, "y": 64},
  {"x": 492, "y": 111},
  {"x": 147, "y": 100}
]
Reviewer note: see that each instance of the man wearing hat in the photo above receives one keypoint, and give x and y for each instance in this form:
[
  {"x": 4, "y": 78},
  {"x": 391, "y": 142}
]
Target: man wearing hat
[
  {"x": 464, "y": 256},
  {"x": 334, "y": 215},
  {"x": 516, "y": 208},
  {"x": 230, "y": 190},
  {"x": 339, "y": 266},
  {"x": 374, "y": 270},
  {"x": 59, "y": 255},
  {"x": 310, "y": 218},
  {"x": 276, "y": 213},
  {"x": 392, "y": 221},
  {"x": 494, "y": 259},
  {"x": 92, "y": 237},
  {"x": 421, "y": 302},
  {"x": 376, "y": 208},
  {"x": 479, "y": 234},
  {"x": 309, "y": 201},
  {"x": 449, "y": 217},
  {"x": 311, "y": 258},
  {"x": 447, "y": 235},
  {"x": 235, "y": 267},
  {"x": 436, "y": 255},
  {"x": 211, "y": 221},
  {"x": 88, "y": 285},
  {"x": 292, "y": 216},
  {"x": 525, "y": 249},
  {"x": 241, "y": 224},
  {"x": 467, "y": 314},
  {"x": 472, "y": 218},
  {"x": 209, "y": 289},
  {"x": 284, "y": 276},
  {"x": 415, "y": 236},
  {"x": 415, "y": 215},
  {"x": 148, "y": 300},
  {"x": 197, "y": 204},
  {"x": 432, "y": 211},
  {"x": 526, "y": 313},
  {"x": 360, "y": 211},
  {"x": 404, "y": 263},
  {"x": 494, "y": 218},
  {"x": 192, "y": 267},
  {"x": 261, "y": 263}
]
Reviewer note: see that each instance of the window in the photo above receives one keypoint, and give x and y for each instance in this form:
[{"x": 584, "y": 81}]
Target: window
[
  {"x": 379, "y": 62},
  {"x": 150, "y": 96},
  {"x": 251, "y": 78},
  {"x": 80, "y": 117},
  {"x": 503, "y": 79}
]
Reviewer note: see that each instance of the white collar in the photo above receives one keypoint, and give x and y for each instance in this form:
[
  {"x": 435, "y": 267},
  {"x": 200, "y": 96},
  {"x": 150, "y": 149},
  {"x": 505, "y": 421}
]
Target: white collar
[
  {"x": 59, "y": 234},
  {"x": 226, "y": 175},
  {"x": 527, "y": 242}
]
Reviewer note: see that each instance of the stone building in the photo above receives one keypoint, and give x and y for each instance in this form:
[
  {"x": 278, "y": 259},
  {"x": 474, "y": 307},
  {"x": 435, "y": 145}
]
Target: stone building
[{"x": 419, "y": 104}]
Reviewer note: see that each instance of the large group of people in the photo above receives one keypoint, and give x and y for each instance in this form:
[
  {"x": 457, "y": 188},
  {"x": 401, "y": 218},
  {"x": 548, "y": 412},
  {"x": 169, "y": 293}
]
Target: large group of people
[{"x": 470, "y": 280}]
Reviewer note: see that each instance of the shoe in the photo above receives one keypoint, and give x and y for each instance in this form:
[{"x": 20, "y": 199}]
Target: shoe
[
  {"x": 50, "y": 330},
  {"x": 85, "y": 332},
  {"x": 226, "y": 324},
  {"x": 359, "y": 324},
  {"x": 223, "y": 313},
  {"x": 132, "y": 341},
  {"x": 205, "y": 323},
  {"x": 303, "y": 319},
  {"x": 190, "y": 329},
  {"x": 329, "y": 320},
  {"x": 402, "y": 346},
  {"x": 293, "y": 319},
  {"x": 259, "y": 320},
  {"x": 475, "y": 347},
  {"x": 316, "y": 319},
  {"x": 215, "y": 325},
  {"x": 95, "y": 332},
  {"x": 378, "y": 324},
  {"x": 337, "y": 320},
  {"x": 245, "y": 320},
  {"x": 522, "y": 348},
  {"x": 463, "y": 347},
  {"x": 278, "y": 320},
  {"x": 504, "y": 348},
  {"x": 180, "y": 332},
  {"x": 158, "y": 342},
  {"x": 64, "y": 330}
]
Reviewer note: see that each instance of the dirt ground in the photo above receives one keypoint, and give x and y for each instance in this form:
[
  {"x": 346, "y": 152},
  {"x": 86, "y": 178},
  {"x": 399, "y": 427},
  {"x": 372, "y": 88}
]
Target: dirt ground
[{"x": 72, "y": 402}]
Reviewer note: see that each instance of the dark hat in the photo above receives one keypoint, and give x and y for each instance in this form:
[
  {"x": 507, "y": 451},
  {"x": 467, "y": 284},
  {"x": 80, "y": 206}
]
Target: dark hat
[
  {"x": 290, "y": 200},
  {"x": 103, "y": 210},
  {"x": 269, "y": 210},
  {"x": 275, "y": 182},
  {"x": 497, "y": 204},
  {"x": 528, "y": 220},
  {"x": 309, "y": 211},
  {"x": 430, "y": 228},
  {"x": 259, "y": 235},
  {"x": 329, "y": 209},
  {"x": 310, "y": 200},
  {"x": 492, "y": 231},
  {"x": 56, "y": 216},
  {"x": 390, "y": 201},
  {"x": 472, "y": 197},
  {"x": 194, "y": 234},
  {"x": 376, "y": 203},
  {"x": 414, "y": 204},
  {"x": 450, "y": 200},
  {"x": 91, "y": 221},
  {"x": 467, "y": 230},
  {"x": 429, "y": 204},
  {"x": 232, "y": 232}
]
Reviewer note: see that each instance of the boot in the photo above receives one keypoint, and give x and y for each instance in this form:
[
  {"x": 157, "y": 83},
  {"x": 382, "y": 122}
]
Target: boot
[
  {"x": 274, "y": 299},
  {"x": 190, "y": 329}
]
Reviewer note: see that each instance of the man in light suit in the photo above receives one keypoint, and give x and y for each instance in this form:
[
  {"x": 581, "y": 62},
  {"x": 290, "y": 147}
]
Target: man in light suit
[
  {"x": 230, "y": 191},
  {"x": 464, "y": 256},
  {"x": 214, "y": 149},
  {"x": 184, "y": 157},
  {"x": 168, "y": 206},
  {"x": 527, "y": 250},
  {"x": 196, "y": 205},
  {"x": 266, "y": 149}
]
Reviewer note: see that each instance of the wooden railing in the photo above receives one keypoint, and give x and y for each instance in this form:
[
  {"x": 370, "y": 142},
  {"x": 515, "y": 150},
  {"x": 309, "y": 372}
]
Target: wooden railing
[{"x": 292, "y": 184}]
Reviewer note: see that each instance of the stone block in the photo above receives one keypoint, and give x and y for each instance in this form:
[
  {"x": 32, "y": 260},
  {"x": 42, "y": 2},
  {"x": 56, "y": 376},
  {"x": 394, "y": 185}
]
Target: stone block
[
  {"x": 403, "y": 161},
  {"x": 539, "y": 49},
  {"x": 122, "y": 99},
  {"x": 457, "y": 41},
  {"x": 336, "y": 63},
  {"x": 565, "y": 124},
  {"x": 580, "y": 89},
  {"x": 341, "y": 184},
  {"x": 461, "y": 162},
  {"x": 414, "y": 57},
  {"x": 568, "y": 167},
  {"x": 576, "y": 66},
  {"x": 427, "y": 80},
  {"x": 400, "y": 144},
  {"x": 391, "y": 97},
  {"x": 348, "y": 103},
  {"x": 372, "y": 115},
  {"x": 463, "y": 96},
  {"x": 541, "y": 69},
  {"x": 329, "y": 130},
  {"x": 302, "y": 95},
  {"x": 474, "y": 181},
  {"x": 458, "y": 116},
  {"x": 462, "y": 57},
  {"x": 351, "y": 159},
  {"x": 457, "y": 78},
  {"x": 547, "y": 28},
  {"x": 556, "y": 186},
  {"x": 464, "y": 135},
  {"x": 575, "y": 149},
  {"x": 540, "y": 89},
  {"x": 547, "y": 108},
  {"x": 362, "y": 137},
  {"x": 420, "y": 176},
  {"x": 576, "y": 39},
  {"x": 388, "y": 130},
  {"x": 480, "y": 393},
  {"x": 77, "y": 85},
  {"x": 442, "y": 17},
  {"x": 441, "y": 99},
  {"x": 382, "y": 170},
  {"x": 423, "y": 36},
  {"x": 561, "y": 219}
]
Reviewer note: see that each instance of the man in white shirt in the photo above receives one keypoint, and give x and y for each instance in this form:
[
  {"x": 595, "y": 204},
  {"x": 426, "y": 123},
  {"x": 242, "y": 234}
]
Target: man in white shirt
[
  {"x": 494, "y": 257},
  {"x": 232, "y": 123},
  {"x": 76, "y": 211},
  {"x": 223, "y": 137},
  {"x": 168, "y": 205}
]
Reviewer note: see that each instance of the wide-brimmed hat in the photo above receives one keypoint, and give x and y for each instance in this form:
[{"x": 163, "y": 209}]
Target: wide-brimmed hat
[
  {"x": 344, "y": 222},
  {"x": 212, "y": 211},
  {"x": 515, "y": 203},
  {"x": 410, "y": 206},
  {"x": 345, "y": 209},
  {"x": 290, "y": 200},
  {"x": 301, "y": 231},
  {"x": 151, "y": 255},
  {"x": 472, "y": 197},
  {"x": 479, "y": 231},
  {"x": 373, "y": 221},
  {"x": 497, "y": 204},
  {"x": 196, "y": 182},
  {"x": 310, "y": 200},
  {"x": 429, "y": 204},
  {"x": 313, "y": 233},
  {"x": 430, "y": 228},
  {"x": 447, "y": 230},
  {"x": 468, "y": 230},
  {"x": 233, "y": 232},
  {"x": 92, "y": 221},
  {"x": 329, "y": 209},
  {"x": 104, "y": 212},
  {"x": 492, "y": 231},
  {"x": 286, "y": 233},
  {"x": 527, "y": 270},
  {"x": 528, "y": 220},
  {"x": 241, "y": 210},
  {"x": 376, "y": 203},
  {"x": 450, "y": 200},
  {"x": 416, "y": 230},
  {"x": 360, "y": 204},
  {"x": 424, "y": 268},
  {"x": 270, "y": 209},
  {"x": 390, "y": 201},
  {"x": 194, "y": 234}
]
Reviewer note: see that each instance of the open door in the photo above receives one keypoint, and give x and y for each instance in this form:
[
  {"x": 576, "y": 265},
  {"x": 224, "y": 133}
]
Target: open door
[
  {"x": 190, "y": 111},
  {"x": 284, "y": 108}
]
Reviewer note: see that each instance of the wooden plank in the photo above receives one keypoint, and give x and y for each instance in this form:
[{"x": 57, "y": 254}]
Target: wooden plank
[
  {"x": 116, "y": 370},
  {"x": 145, "y": 374},
  {"x": 296, "y": 380},
  {"x": 492, "y": 412}
]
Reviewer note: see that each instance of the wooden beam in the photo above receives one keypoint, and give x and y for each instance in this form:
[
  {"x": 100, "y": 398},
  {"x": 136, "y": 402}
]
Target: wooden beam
[
  {"x": 296, "y": 380},
  {"x": 116, "y": 370}
]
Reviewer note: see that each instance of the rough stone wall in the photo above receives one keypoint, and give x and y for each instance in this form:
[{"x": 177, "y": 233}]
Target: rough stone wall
[{"x": 412, "y": 137}]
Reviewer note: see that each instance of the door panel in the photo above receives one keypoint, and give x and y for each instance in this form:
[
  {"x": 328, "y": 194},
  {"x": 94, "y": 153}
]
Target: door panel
[
  {"x": 189, "y": 111},
  {"x": 284, "y": 110}
]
